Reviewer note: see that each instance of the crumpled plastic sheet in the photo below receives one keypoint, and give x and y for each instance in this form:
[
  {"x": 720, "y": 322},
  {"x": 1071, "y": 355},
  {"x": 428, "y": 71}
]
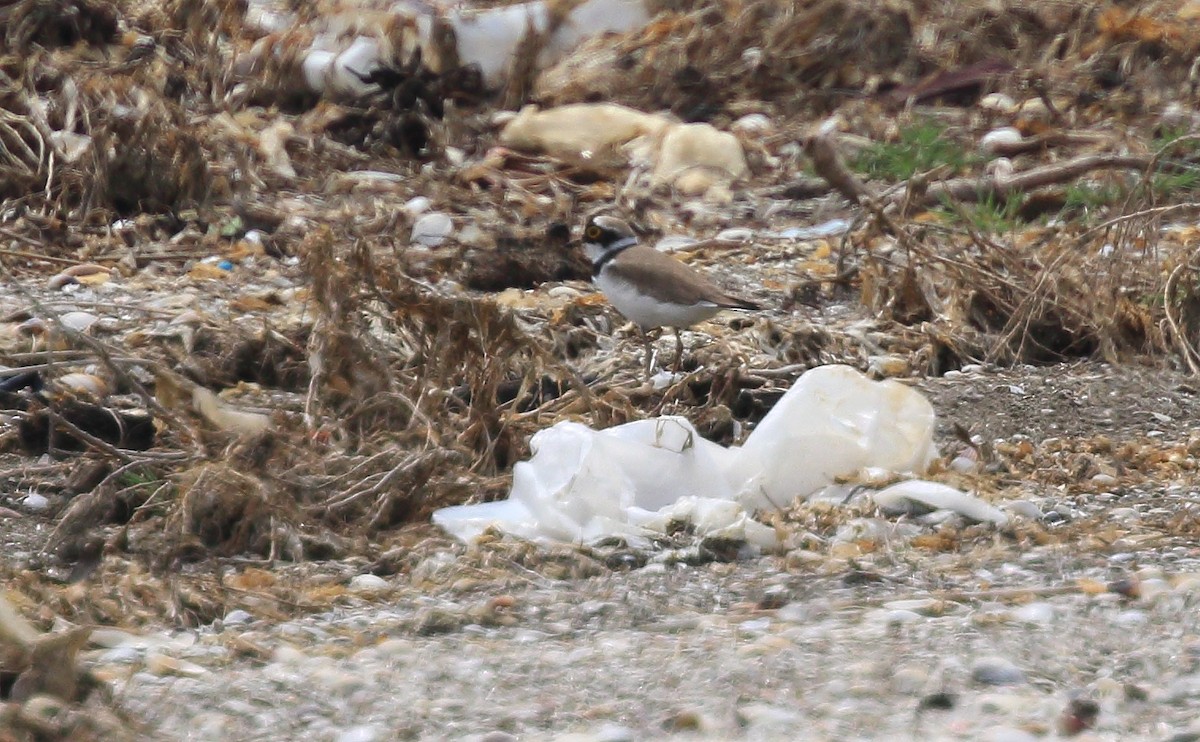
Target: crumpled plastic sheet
[{"x": 635, "y": 480}]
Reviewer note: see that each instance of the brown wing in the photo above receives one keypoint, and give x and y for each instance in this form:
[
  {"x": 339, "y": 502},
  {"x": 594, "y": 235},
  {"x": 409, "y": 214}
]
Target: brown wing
[{"x": 669, "y": 280}]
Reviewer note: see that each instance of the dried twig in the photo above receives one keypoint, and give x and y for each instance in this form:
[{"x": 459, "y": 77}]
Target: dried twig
[{"x": 1186, "y": 349}]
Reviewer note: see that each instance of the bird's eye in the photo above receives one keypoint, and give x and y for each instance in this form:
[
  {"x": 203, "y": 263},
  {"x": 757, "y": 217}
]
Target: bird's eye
[{"x": 593, "y": 232}]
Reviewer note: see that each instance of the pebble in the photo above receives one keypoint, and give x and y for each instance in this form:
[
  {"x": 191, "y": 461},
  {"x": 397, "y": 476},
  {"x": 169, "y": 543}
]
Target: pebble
[
  {"x": 367, "y": 583},
  {"x": 754, "y": 627},
  {"x": 364, "y": 733},
  {"x": 564, "y": 292},
  {"x": 237, "y": 617},
  {"x": 887, "y": 366},
  {"x": 613, "y": 733},
  {"x": 909, "y": 680},
  {"x": 674, "y": 242},
  {"x": 894, "y": 617},
  {"x": 124, "y": 655},
  {"x": 79, "y": 321},
  {"x": 1131, "y": 618},
  {"x": 288, "y": 655},
  {"x": 432, "y": 229},
  {"x": 162, "y": 664},
  {"x": 753, "y": 123},
  {"x": 1035, "y": 613},
  {"x": 824, "y": 229},
  {"x": 926, "y": 606},
  {"x": 998, "y": 138},
  {"x": 1007, "y": 734},
  {"x": 35, "y": 503},
  {"x": 735, "y": 234},
  {"x": 964, "y": 465},
  {"x": 1024, "y": 509},
  {"x": 88, "y": 384},
  {"x": 761, "y": 717},
  {"x": 998, "y": 102},
  {"x": 996, "y": 671}
]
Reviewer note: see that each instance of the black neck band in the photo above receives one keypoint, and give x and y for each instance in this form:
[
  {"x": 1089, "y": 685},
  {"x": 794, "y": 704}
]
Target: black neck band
[{"x": 609, "y": 254}]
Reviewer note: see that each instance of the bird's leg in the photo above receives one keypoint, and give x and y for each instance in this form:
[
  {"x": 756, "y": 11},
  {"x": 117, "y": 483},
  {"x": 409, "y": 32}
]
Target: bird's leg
[
  {"x": 649, "y": 359},
  {"x": 678, "y": 351}
]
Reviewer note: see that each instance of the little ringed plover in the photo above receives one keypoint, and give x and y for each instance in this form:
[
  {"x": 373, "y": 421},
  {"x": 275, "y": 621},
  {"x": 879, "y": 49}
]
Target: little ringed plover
[{"x": 649, "y": 287}]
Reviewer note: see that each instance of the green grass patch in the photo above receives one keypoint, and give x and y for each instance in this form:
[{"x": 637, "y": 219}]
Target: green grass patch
[
  {"x": 989, "y": 215},
  {"x": 921, "y": 147},
  {"x": 137, "y": 477}
]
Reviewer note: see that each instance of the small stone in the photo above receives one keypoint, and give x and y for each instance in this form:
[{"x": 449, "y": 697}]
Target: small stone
[
  {"x": 760, "y": 717},
  {"x": 1104, "y": 480},
  {"x": 1035, "y": 613},
  {"x": 753, "y": 123},
  {"x": 125, "y": 655},
  {"x": 162, "y": 664},
  {"x": 754, "y": 627},
  {"x": 35, "y": 503},
  {"x": 1132, "y": 618},
  {"x": 438, "y": 621},
  {"x": 996, "y": 671},
  {"x": 1007, "y": 734},
  {"x": 432, "y": 229},
  {"x": 364, "y": 733},
  {"x": 998, "y": 102},
  {"x": 79, "y": 321},
  {"x": 237, "y": 617},
  {"x": 735, "y": 234},
  {"x": 909, "y": 680},
  {"x": 925, "y": 606},
  {"x": 109, "y": 637},
  {"x": 1024, "y": 509},
  {"x": 498, "y": 736},
  {"x": 613, "y": 733},
  {"x": 1080, "y": 714},
  {"x": 895, "y": 617},
  {"x": 366, "y": 583},
  {"x": 940, "y": 701},
  {"x": 674, "y": 242},
  {"x": 997, "y": 139},
  {"x": 288, "y": 655},
  {"x": 964, "y": 465},
  {"x": 564, "y": 292},
  {"x": 885, "y": 367},
  {"x": 684, "y": 721}
]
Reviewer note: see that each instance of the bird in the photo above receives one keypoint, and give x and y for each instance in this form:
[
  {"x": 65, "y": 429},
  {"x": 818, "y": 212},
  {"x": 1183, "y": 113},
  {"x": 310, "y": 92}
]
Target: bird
[{"x": 648, "y": 287}]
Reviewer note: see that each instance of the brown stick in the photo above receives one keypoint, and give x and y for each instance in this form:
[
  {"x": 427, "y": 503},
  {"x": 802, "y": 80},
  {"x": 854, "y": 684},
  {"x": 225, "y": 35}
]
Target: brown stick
[
  {"x": 978, "y": 189},
  {"x": 828, "y": 164}
]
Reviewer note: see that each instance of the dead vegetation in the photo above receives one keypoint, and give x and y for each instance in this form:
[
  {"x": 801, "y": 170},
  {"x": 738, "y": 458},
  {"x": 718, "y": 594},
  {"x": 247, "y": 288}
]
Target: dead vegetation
[{"x": 354, "y": 382}]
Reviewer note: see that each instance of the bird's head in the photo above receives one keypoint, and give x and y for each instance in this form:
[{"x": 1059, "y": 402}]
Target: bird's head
[{"x": 603, "y": 234}]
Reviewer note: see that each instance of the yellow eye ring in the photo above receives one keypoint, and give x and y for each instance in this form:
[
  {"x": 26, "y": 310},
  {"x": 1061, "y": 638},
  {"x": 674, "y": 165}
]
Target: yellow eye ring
[{"x": 593, "y": 232}]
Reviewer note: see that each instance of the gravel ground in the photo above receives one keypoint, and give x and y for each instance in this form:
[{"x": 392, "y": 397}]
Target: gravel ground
[{"x": 691, "y": 653}]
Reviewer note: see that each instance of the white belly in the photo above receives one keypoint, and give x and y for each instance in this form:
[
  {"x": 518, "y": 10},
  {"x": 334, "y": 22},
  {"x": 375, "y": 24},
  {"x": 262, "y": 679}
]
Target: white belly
[{"x": 649, "y": 312}]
